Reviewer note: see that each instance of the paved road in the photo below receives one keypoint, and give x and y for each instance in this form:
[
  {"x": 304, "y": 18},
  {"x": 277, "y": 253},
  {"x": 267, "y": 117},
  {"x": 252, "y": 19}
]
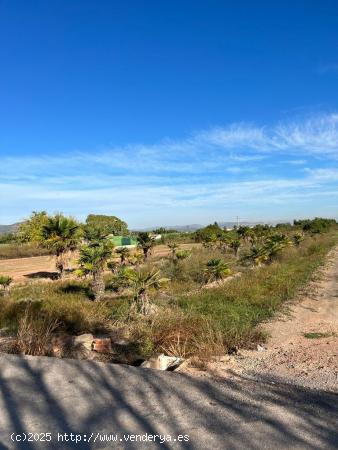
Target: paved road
[{"x": 40, "y": 395}]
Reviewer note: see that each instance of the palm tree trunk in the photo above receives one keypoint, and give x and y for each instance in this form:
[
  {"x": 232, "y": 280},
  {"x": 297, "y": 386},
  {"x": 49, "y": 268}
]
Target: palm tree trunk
[
  {"x": 60, "y": 266},
  {"x": 98, "y": 286},
  {"x": 141, "y": 304}
]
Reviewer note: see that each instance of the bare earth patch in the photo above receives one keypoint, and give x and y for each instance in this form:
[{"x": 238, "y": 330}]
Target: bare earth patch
[
  {"x": 303, "y": 345},
  {"x": 43, "y": 267},
  {"x": 23, "y": 269}
]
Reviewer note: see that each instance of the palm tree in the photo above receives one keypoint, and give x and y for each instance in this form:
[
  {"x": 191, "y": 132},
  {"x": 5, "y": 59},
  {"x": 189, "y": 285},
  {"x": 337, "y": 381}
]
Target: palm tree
[
  {"x": 298, "y": 238},
  {"x": 235, "y": 244},
  {"x": 173, "y": 247},
  {"x": 136, "y": 259},
  {"x": 183, "y": 254},
  {"x": 124, "y": 254},
  {"x": 121, "y": 278},
  {"x": 5, "y": 282},
  {"x": 60, "y": 234},
  {"x": 275, "y": 243},
  {"x": 146, "y": 242},
  {"x": 224, "y": 241},
  {"x": 216, "y": 270},
  {"x": 244, "y": 232},
  {"x": 93, "y": 260},
  {"x": 258, "y": 255},
  {"x": 142, "y": 281},
  {"x": 113, "y": 266},
  {"x": 269, "y": 249}
]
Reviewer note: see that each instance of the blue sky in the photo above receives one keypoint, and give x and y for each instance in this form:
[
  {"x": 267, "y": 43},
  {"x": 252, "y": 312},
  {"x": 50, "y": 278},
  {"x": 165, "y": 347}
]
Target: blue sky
[{"x": 169, "y": 112}]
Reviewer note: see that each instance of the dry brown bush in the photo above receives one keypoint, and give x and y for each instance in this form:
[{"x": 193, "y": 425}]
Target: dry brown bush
[{"x": 35, "y": 333}]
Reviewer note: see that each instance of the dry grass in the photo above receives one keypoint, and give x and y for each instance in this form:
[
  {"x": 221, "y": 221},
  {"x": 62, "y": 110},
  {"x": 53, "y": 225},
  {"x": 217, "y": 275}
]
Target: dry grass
[
  {"x": 206, "y": 323},
  {"x": 35, "y": 332},
  {"x": 12, "y": 251}
]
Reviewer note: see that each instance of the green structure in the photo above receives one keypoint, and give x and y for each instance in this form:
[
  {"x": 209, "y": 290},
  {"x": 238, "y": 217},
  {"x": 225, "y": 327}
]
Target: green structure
[{"x": 123, "y": 241}]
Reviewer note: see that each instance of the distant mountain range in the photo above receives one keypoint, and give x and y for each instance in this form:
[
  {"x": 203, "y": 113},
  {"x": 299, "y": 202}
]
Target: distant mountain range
[
  {"x": 185, "y": 228},
  {"x": 196, "y": 226},
  {"x": 4, "y": 229}
]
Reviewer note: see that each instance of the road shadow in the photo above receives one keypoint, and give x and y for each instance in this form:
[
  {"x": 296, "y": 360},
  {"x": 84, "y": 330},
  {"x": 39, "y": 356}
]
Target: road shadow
[{"x": 68, "y": 396}]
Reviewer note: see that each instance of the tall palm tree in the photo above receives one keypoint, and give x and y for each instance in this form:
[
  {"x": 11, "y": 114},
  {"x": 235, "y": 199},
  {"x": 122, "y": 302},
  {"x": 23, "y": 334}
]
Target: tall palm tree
[
  {"x": 61, "y": 234},
  {"x": 93, "y": 260},
  {"x": 216, "y": 270}
]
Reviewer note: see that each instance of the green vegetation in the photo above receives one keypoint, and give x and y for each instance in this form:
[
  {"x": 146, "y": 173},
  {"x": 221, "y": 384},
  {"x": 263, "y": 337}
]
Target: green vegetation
[
  {"x": 318, "y": 335},
  {"x": 181, "y": 303},
  {"x": 236, "y": 309},
  {"x": 5, "y": 282},
  {"x": 107, "y": 224},
  {"x": 216, "y": 270},
  {"x": 145, "y": 242},
  {"x": 7, "y": 238},
  {"x": 61, "y": 235},
  {"x": 31, "y": 229},
  {"x": 93, "y": 261}
]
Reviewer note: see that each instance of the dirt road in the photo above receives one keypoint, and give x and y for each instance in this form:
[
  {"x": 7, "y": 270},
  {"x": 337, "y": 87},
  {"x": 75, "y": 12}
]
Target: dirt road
[{"x": 303, "y": 344}]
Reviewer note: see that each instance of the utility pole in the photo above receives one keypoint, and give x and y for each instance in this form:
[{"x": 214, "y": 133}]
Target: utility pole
[{"x": 237, "y": 220}]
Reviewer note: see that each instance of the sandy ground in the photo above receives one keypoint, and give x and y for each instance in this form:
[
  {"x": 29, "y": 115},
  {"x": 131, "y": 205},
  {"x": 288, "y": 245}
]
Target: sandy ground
[
  {"x": 21, "y": 269},
  {"x": 289, "y": 356},
  {"x": 42, "y": 267}
]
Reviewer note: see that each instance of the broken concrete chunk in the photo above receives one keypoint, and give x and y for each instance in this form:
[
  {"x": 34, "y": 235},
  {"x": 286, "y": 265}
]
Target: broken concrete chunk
[
  {"x": 85, "y": 339},
  {"x": 162, "y": 362}
]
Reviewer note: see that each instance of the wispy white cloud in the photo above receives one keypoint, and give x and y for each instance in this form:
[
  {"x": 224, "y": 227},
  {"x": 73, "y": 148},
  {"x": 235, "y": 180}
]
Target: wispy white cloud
[
  {"x": 221, "y": 171},
  {"x": 295, "y": 162}
]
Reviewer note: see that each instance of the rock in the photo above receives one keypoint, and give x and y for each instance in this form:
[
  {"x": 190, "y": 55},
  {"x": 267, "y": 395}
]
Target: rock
[
  {"x": 162, "y": 362},
  {"x": 102, "y": 345},
  {"x": 260, "y": 348},
  {"x": 76, "y": 347},
  {"x": 85, "y": 339},
  {"x": 224, "y": 358},
  {"x": 8, "y": 344},
  {"x": 61, "y": 346},
  {"x": 79, "y": 351},
  {"x": 121, "y": 342}
]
